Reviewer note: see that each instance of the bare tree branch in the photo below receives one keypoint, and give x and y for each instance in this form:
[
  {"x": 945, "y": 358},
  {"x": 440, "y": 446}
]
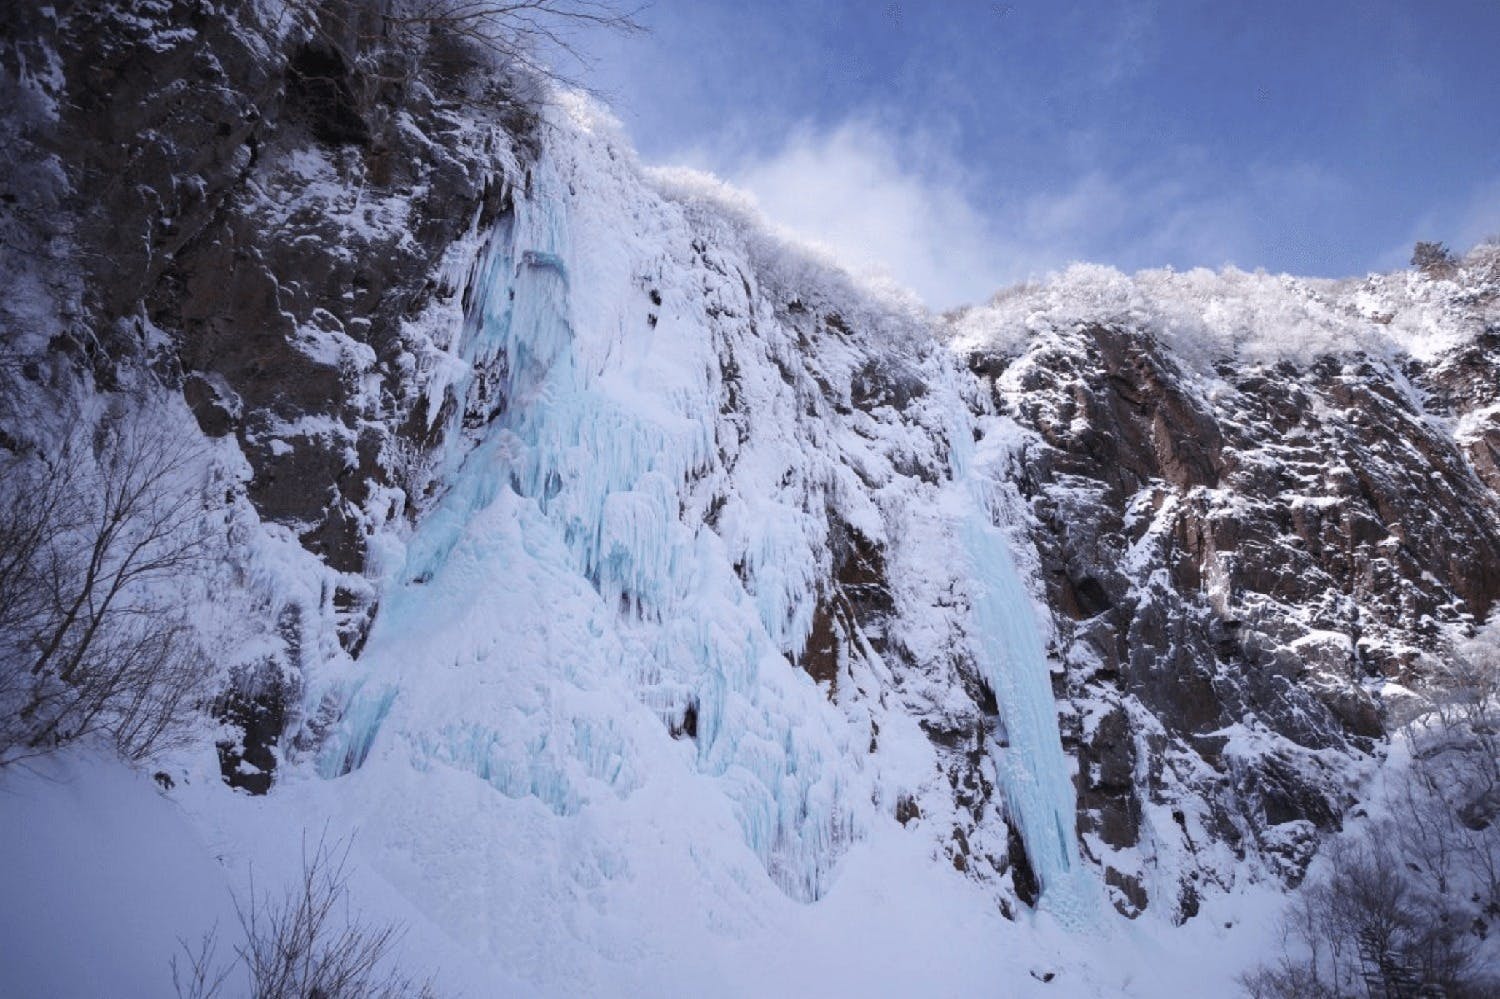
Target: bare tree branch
[
  {"x": 305, "y": 943},
  {"x": 539, "y": 36},
  {"x": 96, "y": 543}
]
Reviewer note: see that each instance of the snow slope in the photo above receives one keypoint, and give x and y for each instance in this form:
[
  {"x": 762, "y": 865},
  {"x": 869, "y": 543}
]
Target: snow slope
[{"x": 104, "y": 873}]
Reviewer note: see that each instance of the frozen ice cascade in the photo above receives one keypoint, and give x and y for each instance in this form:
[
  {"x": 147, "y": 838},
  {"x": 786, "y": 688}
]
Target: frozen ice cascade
[
  {"x": 632, "y": 510},
  {"x": 587, "y": 465},
  {"x": 1034, "y": 771}
]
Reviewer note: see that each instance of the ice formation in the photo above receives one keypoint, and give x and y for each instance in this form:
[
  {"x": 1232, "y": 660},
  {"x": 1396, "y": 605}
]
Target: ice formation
[
  {"x": 1035, "y": 773},
  {"x": 639, "y": 510},
  {"x": 708, "y": 645}
]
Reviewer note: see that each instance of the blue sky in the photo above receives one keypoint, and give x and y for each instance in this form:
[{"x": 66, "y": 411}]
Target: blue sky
[{"x": 963, "y": 146}]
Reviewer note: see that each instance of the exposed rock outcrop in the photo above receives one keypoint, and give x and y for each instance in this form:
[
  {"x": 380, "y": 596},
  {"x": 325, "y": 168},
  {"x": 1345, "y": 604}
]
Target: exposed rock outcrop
[
  {"x": 1238, "y": 559},
  {"x": 272, "y": 213}
]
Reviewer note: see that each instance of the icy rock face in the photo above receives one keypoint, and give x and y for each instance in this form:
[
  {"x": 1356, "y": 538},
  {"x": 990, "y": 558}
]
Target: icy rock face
[
  {"x": 572, "y": 481},
  {"x": 264, "y": 214},
  {"x": 1240, "y": 552},
  {"x": 613, "y": 470},
  {"x": 262, "y": 211},
  {"x": 698, "y": 470}
]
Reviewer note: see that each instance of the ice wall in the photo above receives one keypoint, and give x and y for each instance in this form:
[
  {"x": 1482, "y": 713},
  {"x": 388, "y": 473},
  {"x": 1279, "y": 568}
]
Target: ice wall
[
  {"x": 655, "y": 429},
  {"x": 501, "y": 657},
  {"x": 1034, "y": 771}
]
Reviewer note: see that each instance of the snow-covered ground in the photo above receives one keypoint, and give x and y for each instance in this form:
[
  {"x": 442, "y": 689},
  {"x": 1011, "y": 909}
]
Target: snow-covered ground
[{"x": 104, "y": 872}]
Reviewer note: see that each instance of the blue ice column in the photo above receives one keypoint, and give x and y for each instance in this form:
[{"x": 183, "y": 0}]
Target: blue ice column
[
  {"x": 1034, "y": 771},
  {"x": 504, "y": 275}
]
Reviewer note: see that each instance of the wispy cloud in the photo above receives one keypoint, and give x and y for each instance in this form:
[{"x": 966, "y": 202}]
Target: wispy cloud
[
  {"x": 857, "y": 191},
  {"x": 965, "y": 146},
  {"x": 898, "y": 203}
]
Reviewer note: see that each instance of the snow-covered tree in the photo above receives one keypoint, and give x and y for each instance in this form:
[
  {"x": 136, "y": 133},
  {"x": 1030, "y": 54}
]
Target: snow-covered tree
[{"x": 1405, "y": 905}]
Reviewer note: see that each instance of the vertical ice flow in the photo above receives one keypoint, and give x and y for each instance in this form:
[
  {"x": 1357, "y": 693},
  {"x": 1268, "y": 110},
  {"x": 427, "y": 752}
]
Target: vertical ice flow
[
  {"x": 594, "y": 438},
  {"x": 1034, "y": 771},
  {"x": 591, "y": 435}
]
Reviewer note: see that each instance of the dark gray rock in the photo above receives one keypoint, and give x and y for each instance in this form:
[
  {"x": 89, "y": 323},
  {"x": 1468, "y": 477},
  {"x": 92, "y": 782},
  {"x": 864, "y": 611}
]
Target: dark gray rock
[
  {"x": 1228, "y": 573},
  {"x": 256, "y": 212}
]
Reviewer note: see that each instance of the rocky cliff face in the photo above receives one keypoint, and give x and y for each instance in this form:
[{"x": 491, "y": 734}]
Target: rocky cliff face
[
  {"x": 1248, "y": 550},
  {"x": 1247, "y": 558},
  {"x": 260, "y": 206},
  {"x": 271, "y": 211}
]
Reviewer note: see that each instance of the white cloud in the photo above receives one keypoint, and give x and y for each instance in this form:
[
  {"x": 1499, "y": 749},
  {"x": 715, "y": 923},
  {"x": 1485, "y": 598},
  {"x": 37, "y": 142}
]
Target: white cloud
[
  {"x": 858, "y": 192},
  {"x": 1479, "y": 218},
  {"x": 901, "y": 205},
  {"x": 1467, "y": 218}
]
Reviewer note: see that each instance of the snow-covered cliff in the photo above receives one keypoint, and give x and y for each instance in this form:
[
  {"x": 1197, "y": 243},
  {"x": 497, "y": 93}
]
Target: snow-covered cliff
[{"x": 666, "y": 610}]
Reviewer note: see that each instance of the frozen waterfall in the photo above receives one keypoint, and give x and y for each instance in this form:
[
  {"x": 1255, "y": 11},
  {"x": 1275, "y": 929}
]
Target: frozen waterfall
[
  {"x": 1034, "y": 771},
  {"x": 565, "y": 605}
]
